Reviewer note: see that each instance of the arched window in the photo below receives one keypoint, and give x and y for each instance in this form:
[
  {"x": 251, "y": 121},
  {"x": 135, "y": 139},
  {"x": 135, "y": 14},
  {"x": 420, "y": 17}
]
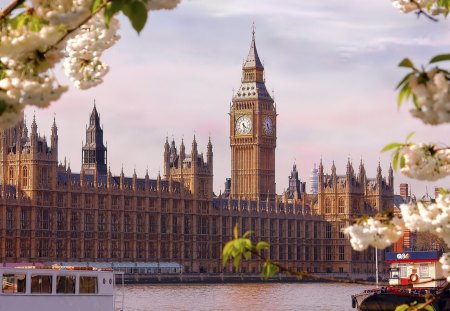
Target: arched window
[
  {"x": 328, "y": 206},
  {"x": 341, "y": 205},
  {"x": 11, "y": 176},
  {"x": 25, "y": 177}
]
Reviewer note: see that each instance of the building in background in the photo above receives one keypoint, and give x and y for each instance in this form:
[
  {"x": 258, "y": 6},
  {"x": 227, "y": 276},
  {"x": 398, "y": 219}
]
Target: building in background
[{"x": 49, "y": 213}]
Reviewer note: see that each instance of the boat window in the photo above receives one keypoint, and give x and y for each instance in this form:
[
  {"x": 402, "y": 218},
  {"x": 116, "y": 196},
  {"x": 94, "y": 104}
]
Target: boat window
[
  {"x": 65, "y": 284},
  {"x": 13, "y": 283},
  {"x": 424, "y": 271},
  {"x": 88, "y": 285},
  {"x": 41, "y": 284}
]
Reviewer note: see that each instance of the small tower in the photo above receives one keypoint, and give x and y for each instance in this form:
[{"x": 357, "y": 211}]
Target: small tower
[
  {"x": 54, "y": 139},
  {"x": 94, "y": 151},
  {"x": 209, "y": 155}
]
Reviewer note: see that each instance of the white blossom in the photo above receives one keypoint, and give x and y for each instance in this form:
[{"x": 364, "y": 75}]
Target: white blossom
[
  {"x": 445, "y": 261},
  {"x": 433, "y": 217},
  {"x": 372, "y": 232},
  {"x": 425, "y": 162},
  {"x": 82, "y": 64},
  {"x": 431, "y": 6},
  {"x": 433, "y": 97}
]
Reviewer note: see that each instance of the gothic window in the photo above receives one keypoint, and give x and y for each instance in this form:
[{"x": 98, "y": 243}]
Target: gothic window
[
  {"x": 152, "y": 227},
  {"x": 101, "y": 225},
  {"x": 59, "y": 221},
  {"x": 88, "y": 222},
  {"x": 328, "y": 253},
  {"x": 114, "y": 223},
  {"x": 341, "y": 230},
  {"x": 127, "y": 249},
  {"x": 341, "y": 252},
  {"x": 140, "y": 223},
  {"x": 11, "y": 175},
  {"x": 9, "y": 248},
  {"x": 163, "y": 224},
  {"x": 9, "y": 219},
  {"x": 88, "y": 245},
  {"x": 316, "y": 230},
  {"x": 175, "y": 225},
  {"x": 25, "y": 247},
  {"x": 328, "y": 231},
  {"x": 127, "y": 223},
  {"x": 25, "y": 177},
  {"x": 24, "y": 219},
  {"x": 73, "y": 249},
  {"x": 43, "y": 219},
  {"x": 327, "y": 206},
  {"x": 341, "y": 205},
  {"x": 43, "y": 248},
  {"x": 44, "y": 177},
  {"x": 74, "y": 221}
]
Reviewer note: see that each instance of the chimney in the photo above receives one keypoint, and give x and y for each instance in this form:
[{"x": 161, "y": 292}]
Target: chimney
[{"x": 404, "y": 190}]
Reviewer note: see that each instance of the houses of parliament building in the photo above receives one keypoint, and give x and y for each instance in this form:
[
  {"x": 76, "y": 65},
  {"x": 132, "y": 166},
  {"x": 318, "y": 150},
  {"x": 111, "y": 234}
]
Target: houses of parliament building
[{"x": 49, "y": 213}]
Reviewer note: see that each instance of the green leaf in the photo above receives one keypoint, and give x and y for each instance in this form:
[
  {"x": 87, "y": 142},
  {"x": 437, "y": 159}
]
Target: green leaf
[
  {"x": 136, "y": 12},
  {"x": 236, "y": 261},
  {"x": 404, "y": 94},
  {"x": 444, "y": 191},
  {"x": 226, "y": 252},
  {"x": 409, "y": 136},
  {"x": 262, "y": 245},
  {"x": 407, "y": 63},
  {"x": 405, "y": 79},
  {"x": 395, "y": 159},
  {"x": 403, "y": 307},
  {"x": 391, "y": 146},
  {"x": 236, "y": 231},
  {"x": 96, "y": 4},
  {"x": 247, "y": 255},
  {"x": 247, "y": 233},
  {"x": 402, "y": 162},
  {"x": 112, "y": 8},
  {"x": 428, "y": 308},
  {"x": 269, "y": 269},
  {"x": 440, "y": 58}
]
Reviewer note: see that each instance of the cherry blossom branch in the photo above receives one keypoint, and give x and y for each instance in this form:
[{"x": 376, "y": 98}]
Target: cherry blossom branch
[
  {"x": 10, "y": 7},
  {"x": 422, "y": 12}
]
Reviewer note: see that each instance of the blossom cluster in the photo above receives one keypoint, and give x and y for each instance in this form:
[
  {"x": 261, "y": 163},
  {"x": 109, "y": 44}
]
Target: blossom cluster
[
  {"x": 376, "y": 233},
  {"x": 433, "y": 217},
  {"x": 445, "y": 262},
  {"x": 34, "y": 40},
  {"x": 425, "y": 162},
  {"x": 82, "y": 64},
  {"x": 432, "y": 6},
  {"x": 433, "y": 97}
]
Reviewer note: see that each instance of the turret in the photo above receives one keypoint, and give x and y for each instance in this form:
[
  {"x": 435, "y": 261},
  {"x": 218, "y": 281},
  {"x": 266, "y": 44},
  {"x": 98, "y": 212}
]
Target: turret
[
  {"x": 391, "y": 177},
  {"x": 209, "y": 156},
  {"x": 134, "y": 180},
  {"x": 182, "y": 152},
  {"x": 54, "y": 140},
  {"x": 94, "y": 151},
  {"x": 166, "y": 158},
  {"x": 122, "y": 180},
  {"x": 34, "y": 135}
]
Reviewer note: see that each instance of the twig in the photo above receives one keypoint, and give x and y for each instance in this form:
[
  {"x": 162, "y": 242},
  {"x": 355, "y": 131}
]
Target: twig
[
  {"x": 422, "y": 12},
  {"x": 10, "y": 7}
]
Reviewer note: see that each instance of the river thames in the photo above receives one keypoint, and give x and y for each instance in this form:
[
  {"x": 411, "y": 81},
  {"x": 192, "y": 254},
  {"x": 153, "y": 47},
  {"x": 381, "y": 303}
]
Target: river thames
[{"x": 255, "y": 296}]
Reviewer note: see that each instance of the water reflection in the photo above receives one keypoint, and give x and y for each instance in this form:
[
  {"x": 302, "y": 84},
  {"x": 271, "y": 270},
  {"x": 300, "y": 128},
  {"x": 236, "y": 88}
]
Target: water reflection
[{"x": 224, "y": 297}]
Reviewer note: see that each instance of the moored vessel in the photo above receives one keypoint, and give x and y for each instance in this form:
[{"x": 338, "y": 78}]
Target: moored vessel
[
  {"x": 413, "y": 277},
  {"x": 48, "y": 288}
]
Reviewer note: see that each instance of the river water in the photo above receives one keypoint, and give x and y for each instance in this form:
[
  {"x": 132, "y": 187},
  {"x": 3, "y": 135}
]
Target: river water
[{"x": 248, "y": 297}]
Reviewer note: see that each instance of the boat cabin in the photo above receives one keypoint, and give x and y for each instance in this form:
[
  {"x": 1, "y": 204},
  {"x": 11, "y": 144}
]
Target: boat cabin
[
  {"x": 417, "y": 269},
  {"x": 57, "y": 288}
]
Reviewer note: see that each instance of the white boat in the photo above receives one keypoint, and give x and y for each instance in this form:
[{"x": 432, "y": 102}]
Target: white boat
[{"x": 57, "y": 288}]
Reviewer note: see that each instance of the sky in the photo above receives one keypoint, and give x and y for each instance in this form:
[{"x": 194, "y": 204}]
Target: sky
[{"x": 332, "y": 65}]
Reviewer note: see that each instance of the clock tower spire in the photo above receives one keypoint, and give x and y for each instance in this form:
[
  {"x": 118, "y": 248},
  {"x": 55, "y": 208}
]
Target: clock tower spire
[{"x": 252, "y": 133}]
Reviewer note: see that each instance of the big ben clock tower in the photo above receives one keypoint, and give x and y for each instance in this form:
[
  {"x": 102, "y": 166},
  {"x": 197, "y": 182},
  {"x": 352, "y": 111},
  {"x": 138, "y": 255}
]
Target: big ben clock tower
[{"x": 253, "y": 133}]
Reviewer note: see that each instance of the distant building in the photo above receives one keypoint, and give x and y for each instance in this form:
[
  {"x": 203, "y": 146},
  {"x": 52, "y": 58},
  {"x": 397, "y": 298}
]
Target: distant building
[
  {"x": 49, "y": 213},
  {"x": 314, "y": 180}
]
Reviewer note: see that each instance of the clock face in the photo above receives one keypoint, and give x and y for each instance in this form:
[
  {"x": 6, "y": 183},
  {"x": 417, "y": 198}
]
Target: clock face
[
  {"x": 243, "y": 125},
  {"x": 267, "y": 125}
]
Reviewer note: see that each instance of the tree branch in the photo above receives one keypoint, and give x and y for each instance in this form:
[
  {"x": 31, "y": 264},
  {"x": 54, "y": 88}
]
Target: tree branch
[
  {"x": 10, "y": 7},
  {"x": 422, "y": 12}
]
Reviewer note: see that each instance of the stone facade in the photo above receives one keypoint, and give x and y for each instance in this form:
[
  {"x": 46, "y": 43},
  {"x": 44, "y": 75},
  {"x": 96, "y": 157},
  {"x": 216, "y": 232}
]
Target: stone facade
[{"x": 48, "y": 213}]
